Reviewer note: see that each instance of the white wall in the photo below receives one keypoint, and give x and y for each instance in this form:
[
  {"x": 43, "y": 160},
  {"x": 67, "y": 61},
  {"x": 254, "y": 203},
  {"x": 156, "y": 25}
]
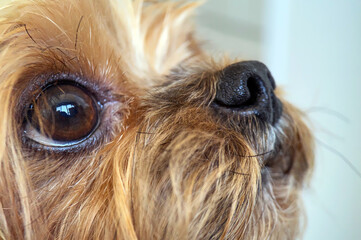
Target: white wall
[
  {"x": 324, "y": 71},
  {"x": 234, "y": 26},
  {"x": 313, "y": 49}
]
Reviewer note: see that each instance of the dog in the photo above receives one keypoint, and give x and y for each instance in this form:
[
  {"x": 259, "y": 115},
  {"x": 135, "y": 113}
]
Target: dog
[{"x": 116, "y": 124}]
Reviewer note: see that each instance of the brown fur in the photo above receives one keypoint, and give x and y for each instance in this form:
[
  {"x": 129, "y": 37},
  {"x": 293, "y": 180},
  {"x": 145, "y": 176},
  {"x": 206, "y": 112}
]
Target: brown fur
[{"x": 165, "y": 166}]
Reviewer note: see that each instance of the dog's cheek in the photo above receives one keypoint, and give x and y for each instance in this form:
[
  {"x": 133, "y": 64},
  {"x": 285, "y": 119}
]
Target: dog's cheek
[
  {"x": 298, "y": 146},
  {"x": 304, "y": 152}
]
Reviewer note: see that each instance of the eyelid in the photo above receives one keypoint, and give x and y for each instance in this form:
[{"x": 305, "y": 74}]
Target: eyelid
[
  {"x": 36, "y": 84},
  {"x": 34, "y": 135}
]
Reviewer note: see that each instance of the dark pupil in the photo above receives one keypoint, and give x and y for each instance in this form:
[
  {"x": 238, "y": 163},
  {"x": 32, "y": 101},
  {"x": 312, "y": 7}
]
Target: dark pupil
[{"x": 64, "y": 112}]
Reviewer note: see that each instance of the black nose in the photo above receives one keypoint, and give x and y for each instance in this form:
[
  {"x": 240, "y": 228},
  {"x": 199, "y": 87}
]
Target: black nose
[{"x": 246, "y": 88}]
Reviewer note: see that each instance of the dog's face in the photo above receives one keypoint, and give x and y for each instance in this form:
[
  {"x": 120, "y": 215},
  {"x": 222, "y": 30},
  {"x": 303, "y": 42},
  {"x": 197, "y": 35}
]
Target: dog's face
[{"x": 116, "y": 125}]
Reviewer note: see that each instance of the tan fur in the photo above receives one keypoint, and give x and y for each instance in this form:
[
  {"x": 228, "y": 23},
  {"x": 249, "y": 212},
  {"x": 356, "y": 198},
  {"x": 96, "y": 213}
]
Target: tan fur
[{"x": 165, "y": 167}]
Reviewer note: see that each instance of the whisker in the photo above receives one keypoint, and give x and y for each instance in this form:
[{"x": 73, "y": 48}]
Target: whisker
[
  {"x": 77, "y": 32},
  {"x": 340, "y": 155},
  {"x": 260, "y": 154},
  {"x": 257, "y": 155},
  {"x": 27, "y": 31},
  {"x": 238, "y": 173},
  {"x": 330, "y": 112},
  {"x": 150, "y": 133}
]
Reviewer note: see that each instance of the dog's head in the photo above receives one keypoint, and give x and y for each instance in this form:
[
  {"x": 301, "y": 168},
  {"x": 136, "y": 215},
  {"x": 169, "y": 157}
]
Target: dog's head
[{"x": 116, "y": 124}]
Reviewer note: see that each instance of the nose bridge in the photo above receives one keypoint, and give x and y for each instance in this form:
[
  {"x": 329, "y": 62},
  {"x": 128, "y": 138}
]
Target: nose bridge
[{"x": 238, "y": 73}]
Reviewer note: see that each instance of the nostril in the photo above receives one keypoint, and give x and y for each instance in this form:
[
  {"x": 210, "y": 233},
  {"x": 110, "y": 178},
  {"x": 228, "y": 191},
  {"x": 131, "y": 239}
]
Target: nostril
[
  {"x": 247, "y": 89},
  {"x": 254, "y": 87},
  {"x": 232, "y": 94},
  {"x": 246, "y": 93}
]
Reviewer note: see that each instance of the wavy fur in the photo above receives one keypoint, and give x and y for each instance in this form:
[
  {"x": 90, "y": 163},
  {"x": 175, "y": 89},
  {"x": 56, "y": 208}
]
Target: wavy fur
[{"x": 165, "y": 168}]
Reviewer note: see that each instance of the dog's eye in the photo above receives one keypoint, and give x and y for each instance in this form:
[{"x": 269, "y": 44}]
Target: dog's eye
[{"x": 62, "y": 114}]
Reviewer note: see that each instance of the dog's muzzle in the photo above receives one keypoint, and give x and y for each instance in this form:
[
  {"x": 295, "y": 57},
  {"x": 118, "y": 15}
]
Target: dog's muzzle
[{"x": 247, "y": 89}]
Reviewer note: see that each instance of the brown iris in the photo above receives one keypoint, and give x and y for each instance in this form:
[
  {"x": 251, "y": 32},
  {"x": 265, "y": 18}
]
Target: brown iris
[{"x": 64, "y": 112}]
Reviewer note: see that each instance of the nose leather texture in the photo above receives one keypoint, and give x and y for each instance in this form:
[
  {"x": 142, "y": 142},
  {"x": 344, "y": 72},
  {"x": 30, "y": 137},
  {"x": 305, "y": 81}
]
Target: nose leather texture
[{"x": 247, "y": 88}]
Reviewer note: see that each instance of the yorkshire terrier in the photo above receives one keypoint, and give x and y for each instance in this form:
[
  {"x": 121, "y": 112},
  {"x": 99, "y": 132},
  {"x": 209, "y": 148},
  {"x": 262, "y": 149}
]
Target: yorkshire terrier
[{"x": 115, "y": 124}]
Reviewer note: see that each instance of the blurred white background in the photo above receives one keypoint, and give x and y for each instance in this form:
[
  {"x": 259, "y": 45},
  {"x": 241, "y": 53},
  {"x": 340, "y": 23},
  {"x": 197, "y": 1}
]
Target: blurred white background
[{"x": 313, "y": 49}]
